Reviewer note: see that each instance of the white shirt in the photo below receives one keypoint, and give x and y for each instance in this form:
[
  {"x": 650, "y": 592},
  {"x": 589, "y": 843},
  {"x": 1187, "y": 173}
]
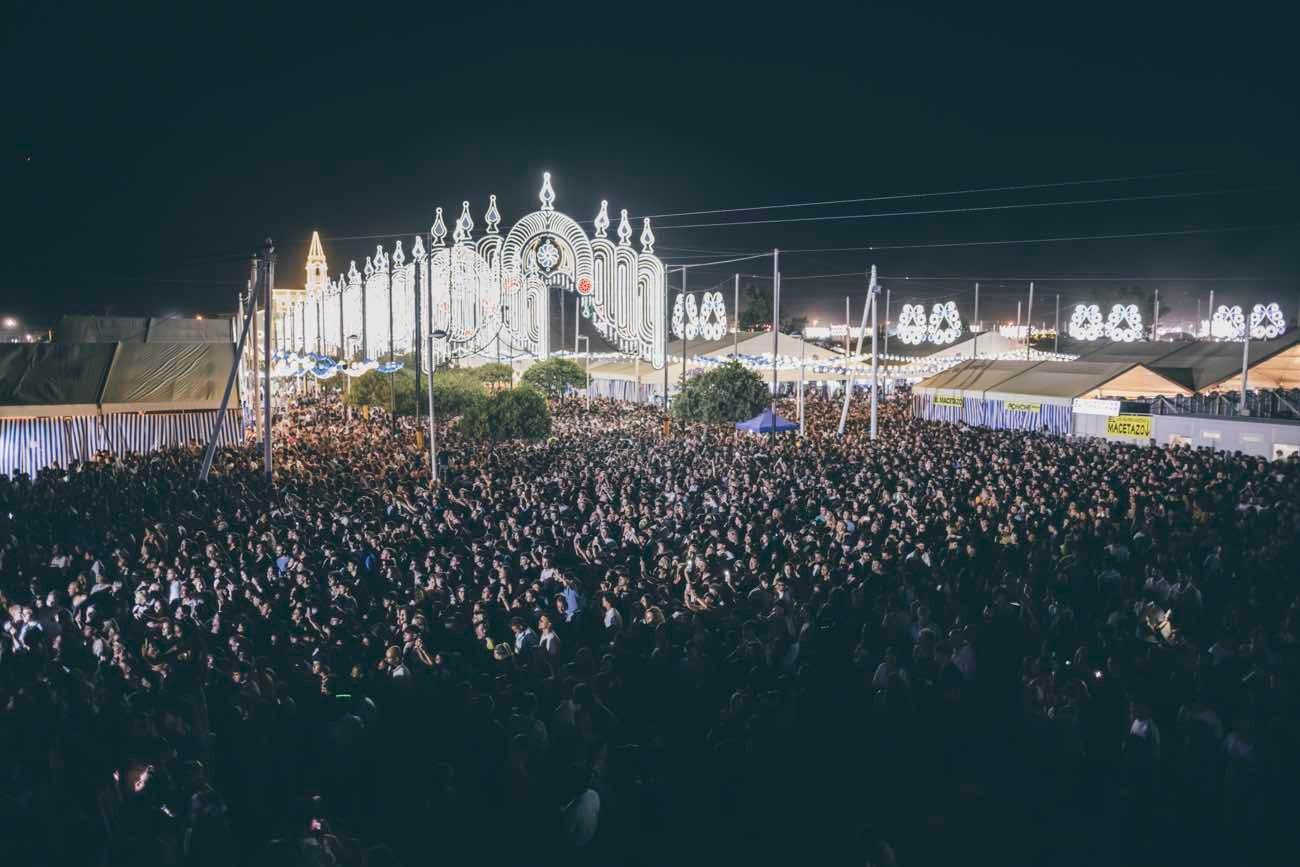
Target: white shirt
[
  {"x": 613, "y": 618},
  {"x": 550, "y": 643},
  {"x": 581, "y": 817}
]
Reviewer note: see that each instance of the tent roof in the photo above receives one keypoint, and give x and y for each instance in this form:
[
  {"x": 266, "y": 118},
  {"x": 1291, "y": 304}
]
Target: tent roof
[
  {"x": 173, "y": 376},
  {"x": 1061, "y": 379},
  {"x": 56, "y": 379},
  {"x": 977, "y": 375},
  {"x": 1194, "y": 364},
  {"x": 142, "y": 329},
  {"x": 46, "y": 379},
  {"x": 766, "y": 422}
]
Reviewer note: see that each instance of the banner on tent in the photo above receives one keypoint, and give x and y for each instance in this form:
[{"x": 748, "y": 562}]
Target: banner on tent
[
  {"x": 1093, "y": 406},
  {"x": 1129, "y": 425},
  {"x": 949, "y": 400},
  {"x": 1023, "y": 406}
]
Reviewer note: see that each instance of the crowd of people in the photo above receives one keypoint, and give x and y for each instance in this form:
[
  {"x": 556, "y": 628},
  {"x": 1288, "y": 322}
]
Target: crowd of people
[{"x": 616, "y": 646}]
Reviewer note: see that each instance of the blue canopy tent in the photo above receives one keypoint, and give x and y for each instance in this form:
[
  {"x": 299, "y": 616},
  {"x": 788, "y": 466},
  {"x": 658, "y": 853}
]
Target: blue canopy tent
[{"x": 766, "y": 422}]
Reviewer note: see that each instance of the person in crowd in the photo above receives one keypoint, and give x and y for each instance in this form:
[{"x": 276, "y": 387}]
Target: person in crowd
[{"x": 949, "y": 642}]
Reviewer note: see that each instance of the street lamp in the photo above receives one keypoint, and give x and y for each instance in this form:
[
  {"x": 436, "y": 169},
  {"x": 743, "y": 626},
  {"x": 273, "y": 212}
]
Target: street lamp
[
  {"x": 10, "y": 322},
  {"x": 587, "y": 367},
  {"x": 437, "y": 334}
]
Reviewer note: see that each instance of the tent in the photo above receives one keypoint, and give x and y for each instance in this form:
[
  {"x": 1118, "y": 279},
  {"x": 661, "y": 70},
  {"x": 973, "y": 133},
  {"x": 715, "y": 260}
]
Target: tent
[
  {"x": 766, "y": 422},
  {"x": 61, "y": 402}
]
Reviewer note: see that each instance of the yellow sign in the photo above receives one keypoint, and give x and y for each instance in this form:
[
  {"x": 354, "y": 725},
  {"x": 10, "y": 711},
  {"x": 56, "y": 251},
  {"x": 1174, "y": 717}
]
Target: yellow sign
[
  {"x": 948, "y": 400},
  {"x": 1021, "y": 406},
  {"x": 1129, "y": 425}
]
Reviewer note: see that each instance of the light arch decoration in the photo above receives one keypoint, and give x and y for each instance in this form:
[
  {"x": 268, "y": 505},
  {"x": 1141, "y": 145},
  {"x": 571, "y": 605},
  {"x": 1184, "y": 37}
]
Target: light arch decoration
[
  {"x": 1228, "y": 323},
  {"x": 1124, "y": 324},
  {"x": 1086, "y": 322},
  {"x": 912, "y": 324},
  {"x": 1267, "y": 322},
  {"x": 945, "y": 323}
]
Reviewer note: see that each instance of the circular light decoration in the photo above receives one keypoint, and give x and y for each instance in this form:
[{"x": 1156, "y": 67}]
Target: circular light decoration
[
  {"x": 1228, "y": 323},
  {"x": 912, "y": 324},
  {"x": 1085, "y": 322},
  {"x": 945, "y": 323},
  {"x": 1267, "y": 322},
  {"x": 1124, "y": 325},
  {"x": 686, "y": 318},
  {"x": 713, "y": 316}
]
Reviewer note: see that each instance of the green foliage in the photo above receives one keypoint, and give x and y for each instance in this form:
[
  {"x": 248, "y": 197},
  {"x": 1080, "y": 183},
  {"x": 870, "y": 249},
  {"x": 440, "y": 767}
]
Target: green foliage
[
  {"x": 755, "y": 307},
  {"x": 730, "y": 392},
  {"x": 494, "y": 371},
  {"x": 454, "y": 390},
  {"x": 555, "y": 375},
  {"x": 514, "y": 413}
]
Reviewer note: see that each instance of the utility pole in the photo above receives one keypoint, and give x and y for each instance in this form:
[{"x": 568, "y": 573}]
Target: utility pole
[
  {"x": 875, "y": 359},
  {"x": 975, "y": 335},
  {"x": 803, "y": 344},
  {"x": 269, "y": 267},
  {"x": 1155, "y": 314},
  {"x": 735, "y": 314},
  {"x": 1029, "y": 317},
  {"x": 1056, "y": 329},
  {"x": 248, "y": 319},
  {"x": 1245, "y": 364},
  {"x": 686, "y": 329},
  {"x": 848, "y": 377},
  {"x": 888, "y": 322},
  {"x": 848, "y": 326},
  {"x": 1209, "y": 317},
  {"x": 776, "y": 330}
]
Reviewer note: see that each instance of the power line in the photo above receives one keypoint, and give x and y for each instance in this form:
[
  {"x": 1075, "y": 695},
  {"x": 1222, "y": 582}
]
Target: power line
[
  {"x": 961, "y": 192},
  {"x": 976, "y": 208}
]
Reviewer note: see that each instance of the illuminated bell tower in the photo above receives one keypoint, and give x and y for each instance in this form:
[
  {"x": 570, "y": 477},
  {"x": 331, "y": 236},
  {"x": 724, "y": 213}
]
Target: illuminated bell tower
[{"x": 317, "y": 270}]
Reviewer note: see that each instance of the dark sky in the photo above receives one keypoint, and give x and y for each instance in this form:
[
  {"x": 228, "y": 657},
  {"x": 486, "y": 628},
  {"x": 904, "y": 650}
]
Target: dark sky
[{"x": 144, "y": 154}]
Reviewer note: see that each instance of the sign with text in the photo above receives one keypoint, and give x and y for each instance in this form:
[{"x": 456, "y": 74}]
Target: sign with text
[
  {"x": 1093, "y": 406},
  {"x": 949, "y": 400},
  {"x": 1129, "y": 425},
  {"x": 1022, "y": 406}
]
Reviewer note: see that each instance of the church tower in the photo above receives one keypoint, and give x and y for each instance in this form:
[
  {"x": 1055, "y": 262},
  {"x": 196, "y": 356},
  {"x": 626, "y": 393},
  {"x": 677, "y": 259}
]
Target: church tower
[{"x": 317, "y": 270}]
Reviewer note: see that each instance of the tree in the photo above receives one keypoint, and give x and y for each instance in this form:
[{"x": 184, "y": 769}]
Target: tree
[
  {"x": 516, "y": 413},
  {"x": 454, "y": 390},
  {"x": 729, "y": 392},
  {"x": 555, "y": 376},
  {"x": 494, "y": 372},
  {"x": 755, "y": 307}
]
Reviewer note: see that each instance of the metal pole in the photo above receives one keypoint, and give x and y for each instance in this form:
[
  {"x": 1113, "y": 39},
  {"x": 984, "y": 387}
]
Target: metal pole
[
  {"x": 975, "y": 335},
  {"x": 1209, "y": 316},
  {"x": 1056, "y": 328},
  {"x": 1197, "y": 329},
  {"x": 888, "y": 322},
  {"x": 1155, "y": 314},
  {"x": 577, "y": 320},
  {"x": 433, "y": 368},
  {"x": 667, "y": 322},
  {"x": 848, "y": 326},
  {"x": 234, "y": 372},
  {"x": 848, "y": 379},
  {"x": 269, "y": 269},
  {"x": 875, "y": 369},
  {"x": 560, "y": 292},
  {"x": 686, "y": 330},
  {"x": 254, "y": 296},
  {"x": 735, "y": 314},
  {"x": 1245, "y": 364},
  {"x": 776, "y": 329},
  {"x": 803, "y": 345},
  {"x": 392, "y": 376},
  {"x": 419, "y": 360},
  {"x": 1029, "y": 315}
]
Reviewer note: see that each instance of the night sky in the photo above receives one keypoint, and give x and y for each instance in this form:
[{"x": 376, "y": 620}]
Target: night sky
[{"x": 144, "y": 155}]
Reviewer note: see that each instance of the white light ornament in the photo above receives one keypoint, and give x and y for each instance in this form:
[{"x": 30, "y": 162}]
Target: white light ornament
[
  {"x": 1124, "y": 325},
  {"x": 1267, "y": 322},
  {"x": 912, "y": 324},
  {"x": 713, "y": 316},
  {"x": 685, "y": 317},
  {"x": 1086, "y": 323},
  {"x": 945, "y": 323},
  {"x": 1228, "y": 323}
]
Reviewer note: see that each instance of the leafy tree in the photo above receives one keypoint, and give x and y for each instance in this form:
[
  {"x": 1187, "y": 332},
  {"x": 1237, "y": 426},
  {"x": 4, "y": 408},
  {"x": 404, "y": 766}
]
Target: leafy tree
[
  {"x": 556, "y": 375},
  {"x": 493, "y": 372},
  {"x": 454, "y": 390},
  {"x": 729, "y": 392},
  {"x": 515, "y": 413},
  {"x": 755, "y": 307}
]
